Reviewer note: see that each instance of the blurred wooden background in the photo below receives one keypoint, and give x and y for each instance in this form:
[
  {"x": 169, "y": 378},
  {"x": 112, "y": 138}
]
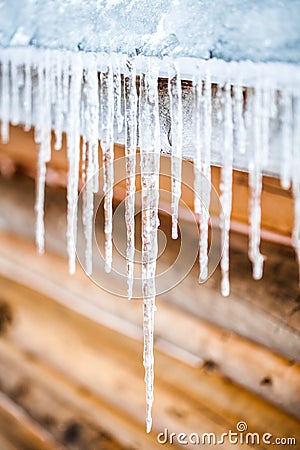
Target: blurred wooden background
[{"x": 71, "y": 373}]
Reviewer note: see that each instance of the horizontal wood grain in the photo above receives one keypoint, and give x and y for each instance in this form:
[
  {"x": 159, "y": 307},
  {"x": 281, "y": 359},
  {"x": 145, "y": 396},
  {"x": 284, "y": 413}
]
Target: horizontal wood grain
[
  {"x": 78, "y": 349},
  {"x": 244, "y": 362},
  {"x": 22, "y": 151},
  {"x": 20, "y": 431},
  {"x": 66, "y": 409},
  {"x": 50, "y": 345},
  {"x": 265, "y": 311}
]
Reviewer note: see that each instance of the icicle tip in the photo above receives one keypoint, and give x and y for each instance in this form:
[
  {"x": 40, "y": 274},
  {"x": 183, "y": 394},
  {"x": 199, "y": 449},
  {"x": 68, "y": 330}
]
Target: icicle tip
[
  {"x": 225, "y": 287},
  {"x": 148, "y": 422},
  {"x": 203, "y": 275},
  {"x": 258, "y": 269}
]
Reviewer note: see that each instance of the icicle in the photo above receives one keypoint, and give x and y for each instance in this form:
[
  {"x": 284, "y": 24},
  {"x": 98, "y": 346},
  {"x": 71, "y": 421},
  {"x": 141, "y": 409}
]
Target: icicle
[
  {"x": 93, "y": 122},
  {"x": 83, "y": 161},
  {"x": 130, "y": 96},
  {"x": 296, "y": 177},
  {"x": 47, "y": 119},
  {"x": 266, "y": 116},
  {"x": 59, "y": 107},
  {"x": 205, "y": 179},
  {"x": 239, "y": 125},
  {"x": 54, "y": 58},
  {"x": 286, "y": 133},
  {"x": 41, "y": 175},
  {"x": 90, "y": 137},
  {"x": 88, "y": 211},
  {"x": 73, "y": 152},
  {"x": 219, "y": 103},
  {"x": 28, "y": 95},
  {"x": 150, "y": 159},
  {"x": 273, "y": 104},
  {"x": 87, "y": 173},
  {"x": 83, "y": 129},
  {"x": 44, "y": 137},
  {"x": 5, "y": 103},
  {"x": 118, "y": 96},
  {"x": 40, "y": 101},
  {"x": 175, "y": 95},
  {"x": 65, "y": 83},
  {"x": 107, "y": 144},
  {"x": 15, "y": 101},
  {"x": 39, "y": 203},
  {"x": 255, "y": 184},
  {"x": 226, "y": 188}
]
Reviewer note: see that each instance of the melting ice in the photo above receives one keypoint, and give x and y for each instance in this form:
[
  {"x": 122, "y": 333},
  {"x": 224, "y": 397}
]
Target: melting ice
[{"x": 96, "y": 100}]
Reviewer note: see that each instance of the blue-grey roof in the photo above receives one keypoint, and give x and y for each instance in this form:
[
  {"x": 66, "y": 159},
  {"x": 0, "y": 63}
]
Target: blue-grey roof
[{"x": 259, "y": 30}]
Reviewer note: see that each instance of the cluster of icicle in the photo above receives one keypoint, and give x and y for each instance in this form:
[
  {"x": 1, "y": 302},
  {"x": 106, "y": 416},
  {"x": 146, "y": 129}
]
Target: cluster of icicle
[{"x": 66, "y": 92}]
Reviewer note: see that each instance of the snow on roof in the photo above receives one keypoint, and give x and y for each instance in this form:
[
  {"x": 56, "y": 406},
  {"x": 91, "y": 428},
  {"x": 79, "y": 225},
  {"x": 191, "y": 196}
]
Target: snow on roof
[{"x": 233, "y": 30}]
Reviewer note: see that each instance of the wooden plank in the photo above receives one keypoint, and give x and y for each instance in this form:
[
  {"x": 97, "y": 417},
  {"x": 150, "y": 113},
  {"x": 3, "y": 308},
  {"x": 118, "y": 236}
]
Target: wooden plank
[
  {"x": 22, "y": 151},
  {"x": 65, "y": 409},
  {"x": 21, "y": 430},
  {"x": 81, "y": 351},
  {"x": 108, "y": 365},
  {"x": 265, "y": 311},
  {"x": 7, "y": 444}
]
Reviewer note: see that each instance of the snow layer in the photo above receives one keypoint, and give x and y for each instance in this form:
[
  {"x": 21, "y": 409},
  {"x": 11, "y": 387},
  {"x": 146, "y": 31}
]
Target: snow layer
[{"x": 227, "y": 29}]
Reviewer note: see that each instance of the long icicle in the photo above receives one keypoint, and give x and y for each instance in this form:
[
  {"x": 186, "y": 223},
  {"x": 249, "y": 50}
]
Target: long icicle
[
  {"x": 73, "y": 153},
  {"x": 226, "y": 188},
  {"x": 118, "y": 95},
  {"x": 39, "y": 94},
  {"x": 44, "y": 137},
  {"x": 175, "y": 95},
  {"x": 205, "y": 178},
  {"x": 130, "y": 96},
  {"x": 107, "y": 144},
  {"x": 150, "y": 160},
  {"x": 41, "y": 174},
  {"x": 255, "y": 185},
  {"x": 65, "y": 82},
  {"x": 197, "y": 116},
  {"x": 266, "y": 117},
  {"x": 59, "y": 113},
  {"x": 198, "y": 100},
  {"x": 83, "y": 161},
  {"x": 88, "y": 211}
]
